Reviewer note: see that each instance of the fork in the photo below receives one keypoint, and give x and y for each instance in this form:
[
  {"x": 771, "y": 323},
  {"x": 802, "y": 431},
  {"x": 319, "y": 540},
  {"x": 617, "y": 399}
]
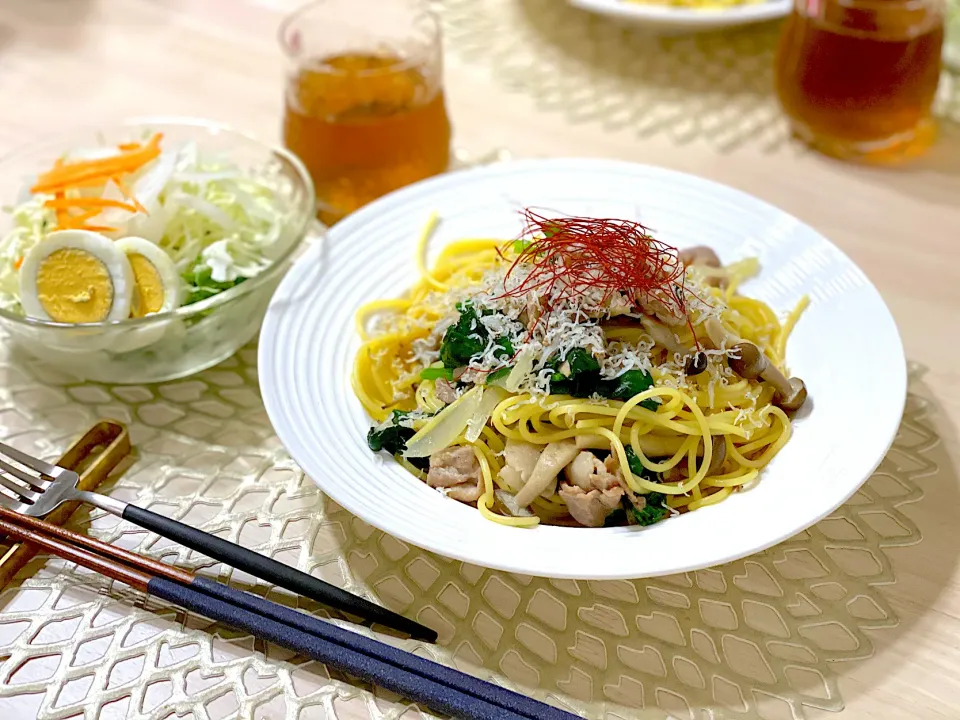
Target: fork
[{"x": 36, "y": 495}]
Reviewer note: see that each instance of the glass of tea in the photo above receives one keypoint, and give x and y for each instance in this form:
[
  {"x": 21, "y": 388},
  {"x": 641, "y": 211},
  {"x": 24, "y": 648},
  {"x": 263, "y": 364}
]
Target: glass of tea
[
  {"x": 365, "y": 108},
  {"x": 857, "y": 78}
]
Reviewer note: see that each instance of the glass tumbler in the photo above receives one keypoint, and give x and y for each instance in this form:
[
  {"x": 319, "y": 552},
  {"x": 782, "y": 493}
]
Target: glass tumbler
[
  {"x": 857, "y": 78},
  {"x": 364, "y": 102}
]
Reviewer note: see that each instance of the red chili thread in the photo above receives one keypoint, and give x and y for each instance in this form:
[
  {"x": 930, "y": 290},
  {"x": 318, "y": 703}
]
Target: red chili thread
[{"x": 579, "y": 254}]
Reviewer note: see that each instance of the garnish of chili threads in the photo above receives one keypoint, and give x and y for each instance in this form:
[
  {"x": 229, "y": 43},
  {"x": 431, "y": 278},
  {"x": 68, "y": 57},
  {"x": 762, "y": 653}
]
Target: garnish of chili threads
[{"x": 571, "y": 256}]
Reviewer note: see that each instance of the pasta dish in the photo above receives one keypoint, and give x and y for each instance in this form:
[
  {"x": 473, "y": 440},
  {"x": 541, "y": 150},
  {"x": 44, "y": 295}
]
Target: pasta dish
[{"x": 586, "y": 374}]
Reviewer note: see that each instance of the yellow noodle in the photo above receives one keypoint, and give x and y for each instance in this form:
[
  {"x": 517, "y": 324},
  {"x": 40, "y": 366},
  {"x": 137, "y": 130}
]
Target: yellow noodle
[
  {"x": 386, "y": 376},
  {"x": 789, "y": 324},
  {"x": 422, "y": 253}
]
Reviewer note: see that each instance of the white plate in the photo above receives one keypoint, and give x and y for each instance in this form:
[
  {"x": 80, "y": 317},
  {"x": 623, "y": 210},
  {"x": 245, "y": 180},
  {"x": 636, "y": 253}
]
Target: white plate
[
  {"x": 846, "y": 348},
  {"x": 679, "y": 19}
]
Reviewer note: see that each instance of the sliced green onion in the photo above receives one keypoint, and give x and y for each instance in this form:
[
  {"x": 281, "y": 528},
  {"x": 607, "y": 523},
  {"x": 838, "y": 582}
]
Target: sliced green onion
[{"x": 435, "y": 373}]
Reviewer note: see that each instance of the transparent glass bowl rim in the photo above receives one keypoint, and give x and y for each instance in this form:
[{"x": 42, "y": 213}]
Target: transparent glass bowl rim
[{"x": 302, "y": 216}]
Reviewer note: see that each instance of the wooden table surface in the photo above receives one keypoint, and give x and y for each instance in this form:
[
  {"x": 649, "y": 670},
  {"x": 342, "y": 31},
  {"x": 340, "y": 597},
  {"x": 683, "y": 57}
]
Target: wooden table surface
[{"x": 64, "y": 62}]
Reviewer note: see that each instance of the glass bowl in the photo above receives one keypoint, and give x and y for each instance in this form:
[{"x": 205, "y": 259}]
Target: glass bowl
[{"x": 188, "y": 339}]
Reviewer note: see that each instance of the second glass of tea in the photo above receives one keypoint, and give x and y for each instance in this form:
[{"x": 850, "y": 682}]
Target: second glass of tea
[
  {"x": 365, "y": 108},
  {"x": 857, "y": 78}
]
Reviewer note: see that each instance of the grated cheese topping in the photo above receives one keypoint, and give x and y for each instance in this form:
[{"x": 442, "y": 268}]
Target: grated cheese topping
[{"x": 576, "y": 322}]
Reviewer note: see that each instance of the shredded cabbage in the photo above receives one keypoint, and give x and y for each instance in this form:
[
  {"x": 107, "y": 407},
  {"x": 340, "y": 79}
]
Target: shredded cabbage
[
  {"x": 30, "y": 221},
  {"x": 213, "y": 218}
]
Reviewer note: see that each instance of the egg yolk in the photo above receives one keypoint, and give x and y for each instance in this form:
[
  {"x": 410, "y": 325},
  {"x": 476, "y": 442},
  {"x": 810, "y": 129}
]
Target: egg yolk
[
  {"x": 149, "y": 285},
  {"x": 74, "y": 286}
]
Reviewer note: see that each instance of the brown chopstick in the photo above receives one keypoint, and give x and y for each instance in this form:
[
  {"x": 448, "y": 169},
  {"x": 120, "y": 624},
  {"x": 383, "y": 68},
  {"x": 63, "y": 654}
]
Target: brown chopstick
[
  {"x": 24, "y": 528},
  {"x": 68, "y": 540}
]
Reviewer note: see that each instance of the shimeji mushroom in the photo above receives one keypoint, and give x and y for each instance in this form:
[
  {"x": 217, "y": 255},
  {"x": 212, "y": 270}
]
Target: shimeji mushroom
[
  {"x": 554, "y": 458},
  {"x": 705, "y": 256},
  {"x": 749, "y": 362},
  {"x": 696, "y": 363},
  {"x": 662, "y": 335},
  {"x": 718, "y": 334}
]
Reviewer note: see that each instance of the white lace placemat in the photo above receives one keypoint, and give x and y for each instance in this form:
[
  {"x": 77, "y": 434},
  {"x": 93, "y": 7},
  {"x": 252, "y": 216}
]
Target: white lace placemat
[
  {"x": 713, "y": 88},
  {"x": 755, "y": 638}
]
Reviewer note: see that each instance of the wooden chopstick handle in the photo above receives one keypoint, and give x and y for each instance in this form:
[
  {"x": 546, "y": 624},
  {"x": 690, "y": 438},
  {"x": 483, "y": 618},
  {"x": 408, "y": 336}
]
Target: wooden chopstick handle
[
  {"x": 140, "y": 562},
  {"x": 104, "y": 565},
  {"x": 274, "y": 572},
  {"x": 434, "y": 695}
]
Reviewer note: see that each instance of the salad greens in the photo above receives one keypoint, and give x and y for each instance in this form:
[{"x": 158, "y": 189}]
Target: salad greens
[
  {"x": 201, "y": 284},
  {"x": 218, "y": 222}
]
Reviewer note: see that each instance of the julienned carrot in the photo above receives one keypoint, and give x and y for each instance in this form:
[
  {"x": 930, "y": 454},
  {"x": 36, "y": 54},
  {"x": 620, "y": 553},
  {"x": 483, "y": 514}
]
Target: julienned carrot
[
  {"x": 95, "y": 228},
  {"x": 72, "y": 174},
  {"x": 61, "y": 212},
  {"x": 89, "y": 183},
  {"x": 18, "y": 263},
  {"x": 123, "y": 160},
  {"x": 76, "y": 222},
  {"x": 84, "y": 216},
  {"x": 89, "y": 202},
  {"x": 65, "y": 175},
  {"x": 128, "y": 194}
]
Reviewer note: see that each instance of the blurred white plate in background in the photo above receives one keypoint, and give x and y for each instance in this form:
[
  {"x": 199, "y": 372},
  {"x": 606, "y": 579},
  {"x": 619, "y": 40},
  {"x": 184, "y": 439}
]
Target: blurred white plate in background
[{"x": 668, "y": 18}]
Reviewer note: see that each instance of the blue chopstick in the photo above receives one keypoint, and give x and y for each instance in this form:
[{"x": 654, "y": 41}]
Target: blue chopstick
[
  {"x": 348, "y": 657},
  {"x": 432, "y": 694},
  {"x": 508, "y": 700}
]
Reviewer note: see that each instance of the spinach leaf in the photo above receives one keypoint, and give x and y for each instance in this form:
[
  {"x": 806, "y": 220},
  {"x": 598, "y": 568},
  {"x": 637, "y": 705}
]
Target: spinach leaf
[
  {"x": 584, "y": 379},
  {"x": 390, "y": 436},
  {"x": 468, "y": 337},
  {"x": 653, "y": 511},
  {"x": 637, "y": 468},
  {"x": 579, "y": 360},
  {"x": 655, "y": 508},
  {"x": 617, "y": 518},
  {"x": 624, "y": 387},
  {"x": 464, "y": 339}
]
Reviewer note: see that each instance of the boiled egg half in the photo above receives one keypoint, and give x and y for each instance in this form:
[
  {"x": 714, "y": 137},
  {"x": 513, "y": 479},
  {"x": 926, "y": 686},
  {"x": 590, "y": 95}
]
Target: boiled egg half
[
  {"x": 76, "y": 276},
  {"x": 157, "y": 284}
]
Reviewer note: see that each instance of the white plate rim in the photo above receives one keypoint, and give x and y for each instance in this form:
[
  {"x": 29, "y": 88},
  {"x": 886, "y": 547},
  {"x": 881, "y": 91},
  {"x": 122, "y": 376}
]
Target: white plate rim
[
  {"x": 641, "y": 13},
  {"x": 292, "y": 284}
]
